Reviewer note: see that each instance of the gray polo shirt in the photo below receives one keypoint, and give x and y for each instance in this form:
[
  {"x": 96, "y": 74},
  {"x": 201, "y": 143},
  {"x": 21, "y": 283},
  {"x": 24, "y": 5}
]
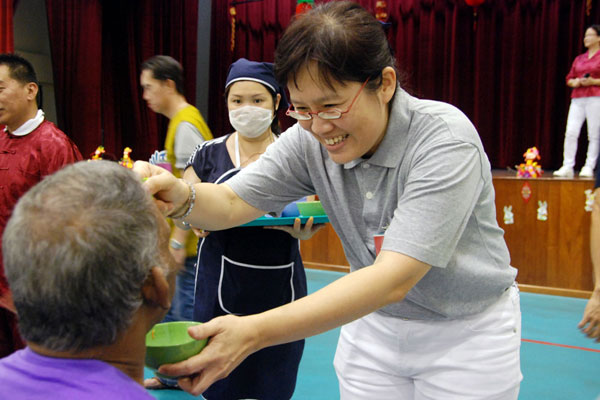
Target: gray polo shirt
[{"x": 428, "y": 187}]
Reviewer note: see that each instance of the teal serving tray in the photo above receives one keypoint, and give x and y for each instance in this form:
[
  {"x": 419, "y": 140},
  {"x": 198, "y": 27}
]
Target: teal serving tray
[{"x": 268, "y": 221}]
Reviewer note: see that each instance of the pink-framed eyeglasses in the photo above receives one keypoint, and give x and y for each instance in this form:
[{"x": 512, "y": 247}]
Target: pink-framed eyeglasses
[{"x": 333, "y": 113}]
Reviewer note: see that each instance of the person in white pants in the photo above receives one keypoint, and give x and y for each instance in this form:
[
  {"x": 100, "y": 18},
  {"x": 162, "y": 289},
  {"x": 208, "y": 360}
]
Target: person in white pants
[{"x": 584, "y": 78}]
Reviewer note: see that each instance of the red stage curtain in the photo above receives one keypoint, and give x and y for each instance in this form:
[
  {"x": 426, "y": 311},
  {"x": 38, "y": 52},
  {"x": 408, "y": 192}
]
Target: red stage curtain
[
  {"x": 7, "y": 44},
  {"x": 504, "y": 67},
  {"x": 75, "y": 30},
  {"x": 133, "y": 32},
  {"x": 98, "y": 46}
]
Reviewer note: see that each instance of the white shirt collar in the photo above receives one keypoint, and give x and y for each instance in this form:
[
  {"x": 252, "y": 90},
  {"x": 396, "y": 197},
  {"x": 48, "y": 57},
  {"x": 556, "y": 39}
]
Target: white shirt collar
[{"x": 29, "y": 126}]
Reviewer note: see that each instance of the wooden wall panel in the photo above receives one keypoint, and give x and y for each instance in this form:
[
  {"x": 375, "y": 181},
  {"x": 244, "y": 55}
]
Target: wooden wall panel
[
  {"x": 553, "y": 253},
  {"x": 324, "y": 251}
]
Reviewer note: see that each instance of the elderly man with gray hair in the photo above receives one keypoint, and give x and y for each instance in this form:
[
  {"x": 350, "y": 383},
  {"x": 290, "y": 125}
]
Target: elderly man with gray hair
[{"x": 86, "y": 255}]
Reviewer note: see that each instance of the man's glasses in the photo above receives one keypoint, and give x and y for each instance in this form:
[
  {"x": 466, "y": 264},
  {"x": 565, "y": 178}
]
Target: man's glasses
[{"x": 333, "y": 113}]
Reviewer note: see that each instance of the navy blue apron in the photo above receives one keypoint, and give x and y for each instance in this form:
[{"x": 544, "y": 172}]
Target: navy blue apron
[{"x": 245, "y": 271}]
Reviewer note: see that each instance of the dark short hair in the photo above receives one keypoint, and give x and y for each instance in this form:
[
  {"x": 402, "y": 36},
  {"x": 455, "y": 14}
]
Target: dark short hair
[
  {"x": 165, "y": 67},
  {"x": 346, "y": 42},
  {"x": 595, "y": 27},
  {"x": 20, "y": 69}
]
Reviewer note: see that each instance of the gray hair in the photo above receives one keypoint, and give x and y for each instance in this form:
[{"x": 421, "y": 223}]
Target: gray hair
[{"x": 77, "y": 250}]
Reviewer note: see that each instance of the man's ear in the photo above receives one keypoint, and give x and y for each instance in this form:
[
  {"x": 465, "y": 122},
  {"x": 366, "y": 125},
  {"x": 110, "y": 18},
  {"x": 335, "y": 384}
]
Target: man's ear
[
  {"x": 156, "y": 289},
  {"x": 32, "y": 90},
  {"x": 171, "y": 85}
]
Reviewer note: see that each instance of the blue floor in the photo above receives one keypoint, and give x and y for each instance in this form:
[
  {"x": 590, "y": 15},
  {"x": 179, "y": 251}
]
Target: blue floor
[{"x": 550, "y": 372}]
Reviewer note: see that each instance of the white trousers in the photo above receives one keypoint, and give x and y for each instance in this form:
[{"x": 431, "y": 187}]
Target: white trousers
[
  {"x": 582, "y": 109},
  {"x": 385, "y": 358}
]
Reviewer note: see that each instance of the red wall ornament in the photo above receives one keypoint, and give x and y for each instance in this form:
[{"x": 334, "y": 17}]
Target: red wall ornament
[
  {"x": 526, "y": 192},
  {"x": 474, "y": 3},
  {"x": 304, "y": 6}
]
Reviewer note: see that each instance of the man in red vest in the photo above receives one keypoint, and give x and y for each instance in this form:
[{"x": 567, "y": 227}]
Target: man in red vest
[{"x": 30, "y": 148}]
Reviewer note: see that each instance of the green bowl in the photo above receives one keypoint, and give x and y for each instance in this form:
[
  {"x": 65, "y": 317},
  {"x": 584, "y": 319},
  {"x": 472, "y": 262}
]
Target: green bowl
[
  {"x": 310, "y": 208},
  {"x": 169, "y": 343}
]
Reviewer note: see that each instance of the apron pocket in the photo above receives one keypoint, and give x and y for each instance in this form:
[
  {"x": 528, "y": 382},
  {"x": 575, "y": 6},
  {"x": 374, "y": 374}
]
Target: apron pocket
[{"x": 249, "y": 289}]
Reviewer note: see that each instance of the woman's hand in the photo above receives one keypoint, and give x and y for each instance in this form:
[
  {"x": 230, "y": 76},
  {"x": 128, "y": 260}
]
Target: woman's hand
[
  {"x": 574, "y": 82},
  {"x": 169, "y": 192},
  {"x": 589, "y": 81},
  {"x": 298, "y": 231},
  {"x": 232, "y": 339},
  {"x": 590, "y": 323}
]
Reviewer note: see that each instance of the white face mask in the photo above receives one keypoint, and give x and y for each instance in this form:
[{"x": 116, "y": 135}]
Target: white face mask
[{"x": 250, "y": 121}]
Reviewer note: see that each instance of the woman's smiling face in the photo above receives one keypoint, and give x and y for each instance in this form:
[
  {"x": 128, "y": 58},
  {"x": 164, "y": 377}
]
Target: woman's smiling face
[
  {"x": 591, "y": 38},
  {"x": 358, "y": 132}
]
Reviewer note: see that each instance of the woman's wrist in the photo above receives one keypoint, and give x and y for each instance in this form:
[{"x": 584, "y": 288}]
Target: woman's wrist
[
  {"x": 176, "y": 244},
  {"x": 187, "y": 207},
  {"x": 258, "y": 339}
]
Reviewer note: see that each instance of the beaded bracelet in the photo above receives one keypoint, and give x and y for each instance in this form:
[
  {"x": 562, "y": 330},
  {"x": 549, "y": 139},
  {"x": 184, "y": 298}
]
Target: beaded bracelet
[{"x": 190, "y": 203}]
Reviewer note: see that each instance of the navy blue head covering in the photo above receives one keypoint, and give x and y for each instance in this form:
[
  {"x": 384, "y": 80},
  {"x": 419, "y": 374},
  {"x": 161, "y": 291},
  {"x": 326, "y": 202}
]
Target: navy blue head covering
[{"x": 261, "y": 72}]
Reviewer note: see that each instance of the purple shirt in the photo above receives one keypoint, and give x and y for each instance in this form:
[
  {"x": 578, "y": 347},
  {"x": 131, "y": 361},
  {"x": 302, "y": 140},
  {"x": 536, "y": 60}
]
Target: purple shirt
[{"x": 28, "y": 375}]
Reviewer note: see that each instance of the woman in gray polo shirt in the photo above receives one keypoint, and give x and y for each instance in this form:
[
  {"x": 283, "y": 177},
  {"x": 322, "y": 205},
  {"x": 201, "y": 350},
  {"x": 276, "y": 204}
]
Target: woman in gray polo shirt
[{"x": 435, "y": 315}]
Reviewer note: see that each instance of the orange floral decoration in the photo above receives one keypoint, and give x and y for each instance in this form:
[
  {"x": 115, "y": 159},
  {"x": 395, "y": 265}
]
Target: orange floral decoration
[
  {"x": 126, "y": 161},
  {"x": 381, "y": 11}
]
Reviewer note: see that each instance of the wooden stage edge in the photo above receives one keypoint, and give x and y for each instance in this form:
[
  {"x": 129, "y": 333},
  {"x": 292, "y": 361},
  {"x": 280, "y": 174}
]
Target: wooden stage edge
[
  {"x": 582, "y": 294},
  {"x": 326, "y": 267}
]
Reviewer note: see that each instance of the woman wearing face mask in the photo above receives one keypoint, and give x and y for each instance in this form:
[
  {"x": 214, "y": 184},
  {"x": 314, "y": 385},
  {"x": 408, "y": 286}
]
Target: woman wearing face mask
[{"x": 246, "y": 270}]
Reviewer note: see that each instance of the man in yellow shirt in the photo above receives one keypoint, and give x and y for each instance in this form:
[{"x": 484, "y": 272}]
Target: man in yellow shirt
[{"x": 162, "y": 84}]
